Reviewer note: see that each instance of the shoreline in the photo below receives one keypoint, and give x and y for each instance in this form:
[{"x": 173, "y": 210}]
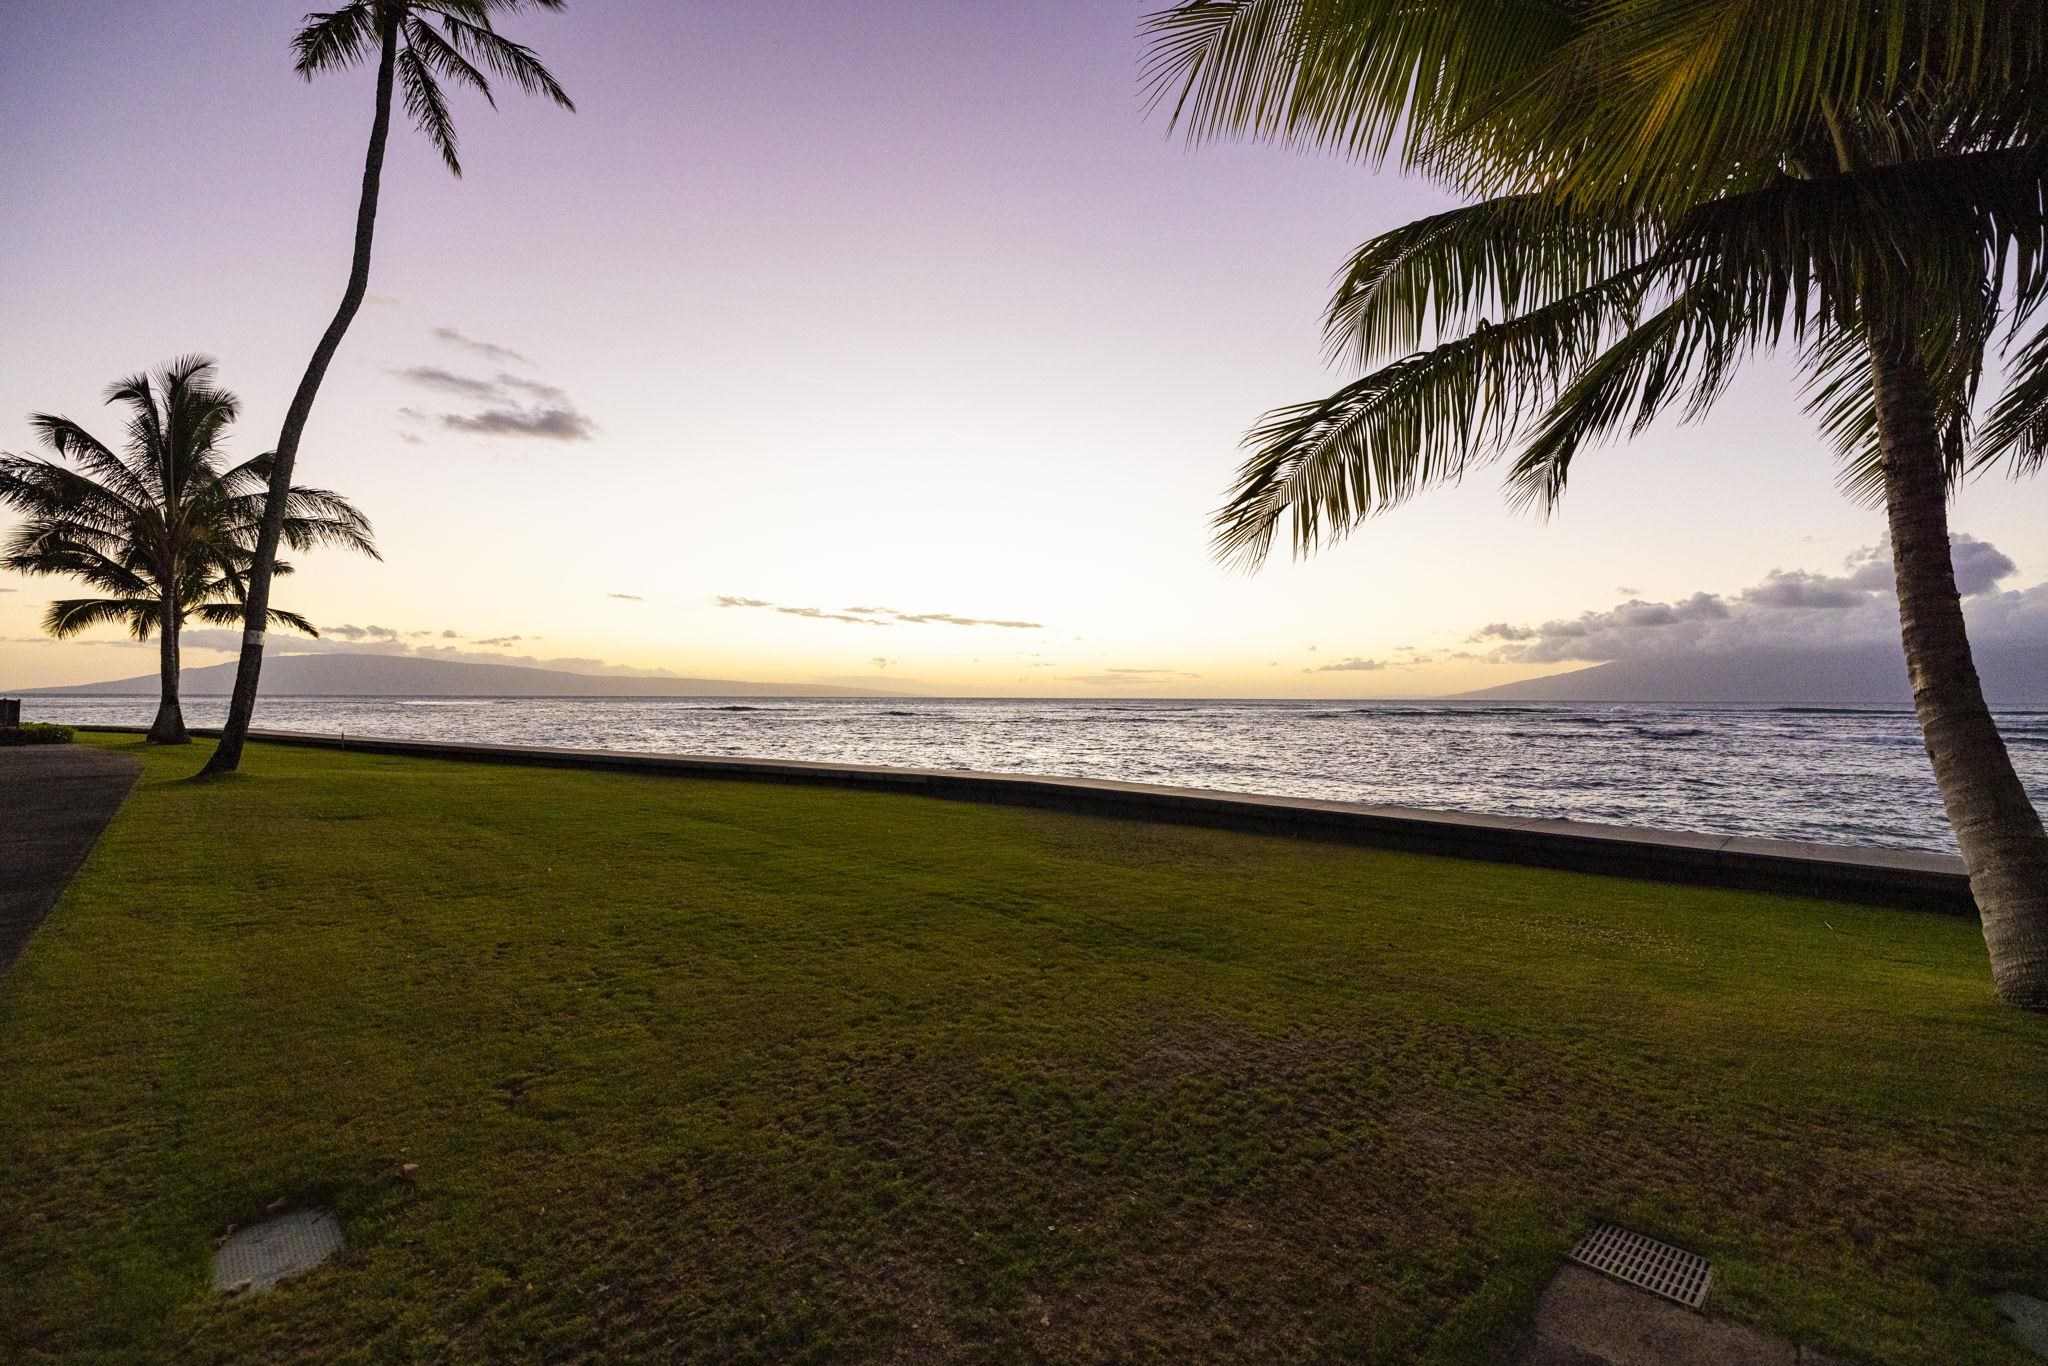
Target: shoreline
[{"x": 1867, "y": 875}]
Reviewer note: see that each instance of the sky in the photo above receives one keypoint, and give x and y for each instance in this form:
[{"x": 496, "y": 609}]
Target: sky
[{"x": 879, "y": 342}]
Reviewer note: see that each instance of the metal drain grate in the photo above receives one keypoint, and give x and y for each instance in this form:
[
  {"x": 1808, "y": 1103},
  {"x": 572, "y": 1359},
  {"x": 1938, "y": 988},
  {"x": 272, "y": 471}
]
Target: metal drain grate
[{"x": 1656, "y": 1267}]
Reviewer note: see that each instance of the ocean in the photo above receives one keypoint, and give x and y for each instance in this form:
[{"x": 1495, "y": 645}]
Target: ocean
[{"x": 1803, "y": 773}]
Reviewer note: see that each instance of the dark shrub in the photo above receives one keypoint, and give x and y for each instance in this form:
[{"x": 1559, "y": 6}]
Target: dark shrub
[{"x": 35, "y": 733}]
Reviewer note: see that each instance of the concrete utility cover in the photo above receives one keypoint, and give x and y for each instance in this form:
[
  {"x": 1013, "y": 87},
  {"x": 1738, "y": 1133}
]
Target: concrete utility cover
[
  {"x": 1586, "y": 1319},
  {"x": 261, "y": 1255},
  {"x": 2026, "y": 1320}
]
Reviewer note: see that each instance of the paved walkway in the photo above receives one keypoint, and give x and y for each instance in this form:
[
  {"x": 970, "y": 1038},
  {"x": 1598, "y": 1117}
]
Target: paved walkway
[
  {"x": 1585, "y": 1319},
  {"x": 54, "y": 801}
]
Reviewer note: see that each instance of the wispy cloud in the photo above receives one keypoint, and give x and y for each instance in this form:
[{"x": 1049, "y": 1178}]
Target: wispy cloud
[
  {"x": 512, "y": 405},
  {"x": 546, "y": 424},
  {"x": 820, "y": 614},
  {"x": 948, "y": 619},
  {"x": 626, "y": 597},
  {"x": 1113, "y": 676},
  {"x": 449, "y": 382},
  {"x": 228, "y": 642},
  {"x": 353, "y": 633},
  {"x": 1353, "y": 665},
  {"x": 479, "y": 348},
  {"x": 880, "y": 616}
]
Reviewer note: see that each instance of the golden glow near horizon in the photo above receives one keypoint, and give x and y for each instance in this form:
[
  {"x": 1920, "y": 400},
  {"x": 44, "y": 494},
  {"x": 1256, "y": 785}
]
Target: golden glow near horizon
[{"x": 792, "y": 313}]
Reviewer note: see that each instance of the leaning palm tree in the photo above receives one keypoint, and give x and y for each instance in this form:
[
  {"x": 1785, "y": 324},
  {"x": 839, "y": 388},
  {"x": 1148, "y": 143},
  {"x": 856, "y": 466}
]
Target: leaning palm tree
[
  {"x": 417, "y": 44},
  {"x": 163, "y": 529},
  {"x": 1663, "y": 189}
]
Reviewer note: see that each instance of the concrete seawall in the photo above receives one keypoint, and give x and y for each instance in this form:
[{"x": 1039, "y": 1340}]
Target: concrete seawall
[{"x": 1907, "y": 879}]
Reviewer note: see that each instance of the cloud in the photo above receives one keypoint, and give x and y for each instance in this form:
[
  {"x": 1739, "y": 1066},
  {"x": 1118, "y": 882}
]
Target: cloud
[
  {"x": 1349, "y": 666},
  {"x": 545, "y": 424},
  {"x": 626, "y": 597},
  {"x": 947, "y": 618},
  {"x": 119, "y": 642},
  {"x": 450, "y": 635},
  {"x": 880, "y": 616},
  {"x": 546, "y": 392},
  {"x": 1797, "y": 588},
  {"x": 480, "y": 348},
  {"x": 229, "y": 642},
  {"x": 512, "y": 405},
  {"x": 449, "y": 382},
  {"x": 1115, "y": 676},
  {"x": 883, "y": 664},
  {"x": 1979, "y": 565},
  {"x": 820, "y": 614},
  {"x": 359, "y": 633},
  {"x": 1789, "y": 607}
]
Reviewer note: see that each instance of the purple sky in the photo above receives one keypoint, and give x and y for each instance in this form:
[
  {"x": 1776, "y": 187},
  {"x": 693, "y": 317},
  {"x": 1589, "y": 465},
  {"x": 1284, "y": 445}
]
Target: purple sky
[{"x": 860, "y": 304}]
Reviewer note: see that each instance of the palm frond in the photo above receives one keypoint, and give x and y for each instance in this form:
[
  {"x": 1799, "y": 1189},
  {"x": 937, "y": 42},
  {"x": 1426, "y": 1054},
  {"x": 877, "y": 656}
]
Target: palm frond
[
  {"x": 336, "y": 39},
  {"x": 1424, "y": 420},
  {"x": 349, "y": 533},
  {"x": 72, "y": 442},
  {"x": 513, "y": 61},
  {"x": 67, "y": 617},
  {"x": 428, "y": 107},
  {"x": 230, "y": 613},
  {"x": 2016, "y": 429},
  {"x": 1344, "y": 75},
  {"x": 280, "y": 617},
  {"x": 1685, "y": 353},
  {"x": 1660, "y": 101},
  {"x": 440, "y": 57},
  {"x": 1501, "y": 257}
]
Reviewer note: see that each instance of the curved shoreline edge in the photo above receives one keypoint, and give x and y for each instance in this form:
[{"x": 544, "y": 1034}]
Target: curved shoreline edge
[{"x": 1901, "y": 878}]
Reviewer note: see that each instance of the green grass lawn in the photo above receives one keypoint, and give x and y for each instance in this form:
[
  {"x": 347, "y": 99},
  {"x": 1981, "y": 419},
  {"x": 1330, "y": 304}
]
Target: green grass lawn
[{"x": 746, "y": 1072}]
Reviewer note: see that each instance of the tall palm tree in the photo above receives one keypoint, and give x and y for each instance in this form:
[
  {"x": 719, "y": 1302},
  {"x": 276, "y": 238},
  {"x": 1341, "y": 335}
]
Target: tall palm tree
[
  {"x": 164, "y": 529},
  {"x": 417, "y": 44},
  {"x": 1662, "y": 189}
]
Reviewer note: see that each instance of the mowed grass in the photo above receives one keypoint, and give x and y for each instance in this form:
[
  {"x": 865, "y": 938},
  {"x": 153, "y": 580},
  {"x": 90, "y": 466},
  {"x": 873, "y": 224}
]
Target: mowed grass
[{"x": 742, "y": 1072}]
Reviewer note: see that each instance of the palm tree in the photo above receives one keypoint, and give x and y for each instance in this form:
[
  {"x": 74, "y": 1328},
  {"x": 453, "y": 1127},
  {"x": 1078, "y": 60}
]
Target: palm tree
[
  {"x": 1662, "y": 189},
  {"x": 164, "y": 528},
  {"x": 415, "y": 55}
]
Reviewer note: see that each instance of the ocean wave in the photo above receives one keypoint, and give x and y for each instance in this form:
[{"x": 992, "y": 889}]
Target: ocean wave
[{"x": 1852, "y": 775}]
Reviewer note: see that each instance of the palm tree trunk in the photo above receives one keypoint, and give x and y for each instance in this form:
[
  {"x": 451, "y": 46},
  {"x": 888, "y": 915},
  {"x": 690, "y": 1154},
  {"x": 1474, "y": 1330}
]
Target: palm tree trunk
[
  {"x": 169, "y": 726},
  {"x": 1996, "y": 825},
  {"x": 242, "y": 708}
]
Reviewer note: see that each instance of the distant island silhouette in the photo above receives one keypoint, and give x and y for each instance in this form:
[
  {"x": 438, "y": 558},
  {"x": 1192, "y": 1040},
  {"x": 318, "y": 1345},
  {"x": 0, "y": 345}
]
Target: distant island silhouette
[{"x": 2014, "y": 673}]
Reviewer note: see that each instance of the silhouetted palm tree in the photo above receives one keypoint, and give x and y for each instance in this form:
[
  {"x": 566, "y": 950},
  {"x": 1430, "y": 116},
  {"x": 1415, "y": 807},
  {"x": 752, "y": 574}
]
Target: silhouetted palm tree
[
  {"x": 1666, "y": 187},
  {"x": 164, "y": 529},
  {"x": 417, "y": 44}
]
